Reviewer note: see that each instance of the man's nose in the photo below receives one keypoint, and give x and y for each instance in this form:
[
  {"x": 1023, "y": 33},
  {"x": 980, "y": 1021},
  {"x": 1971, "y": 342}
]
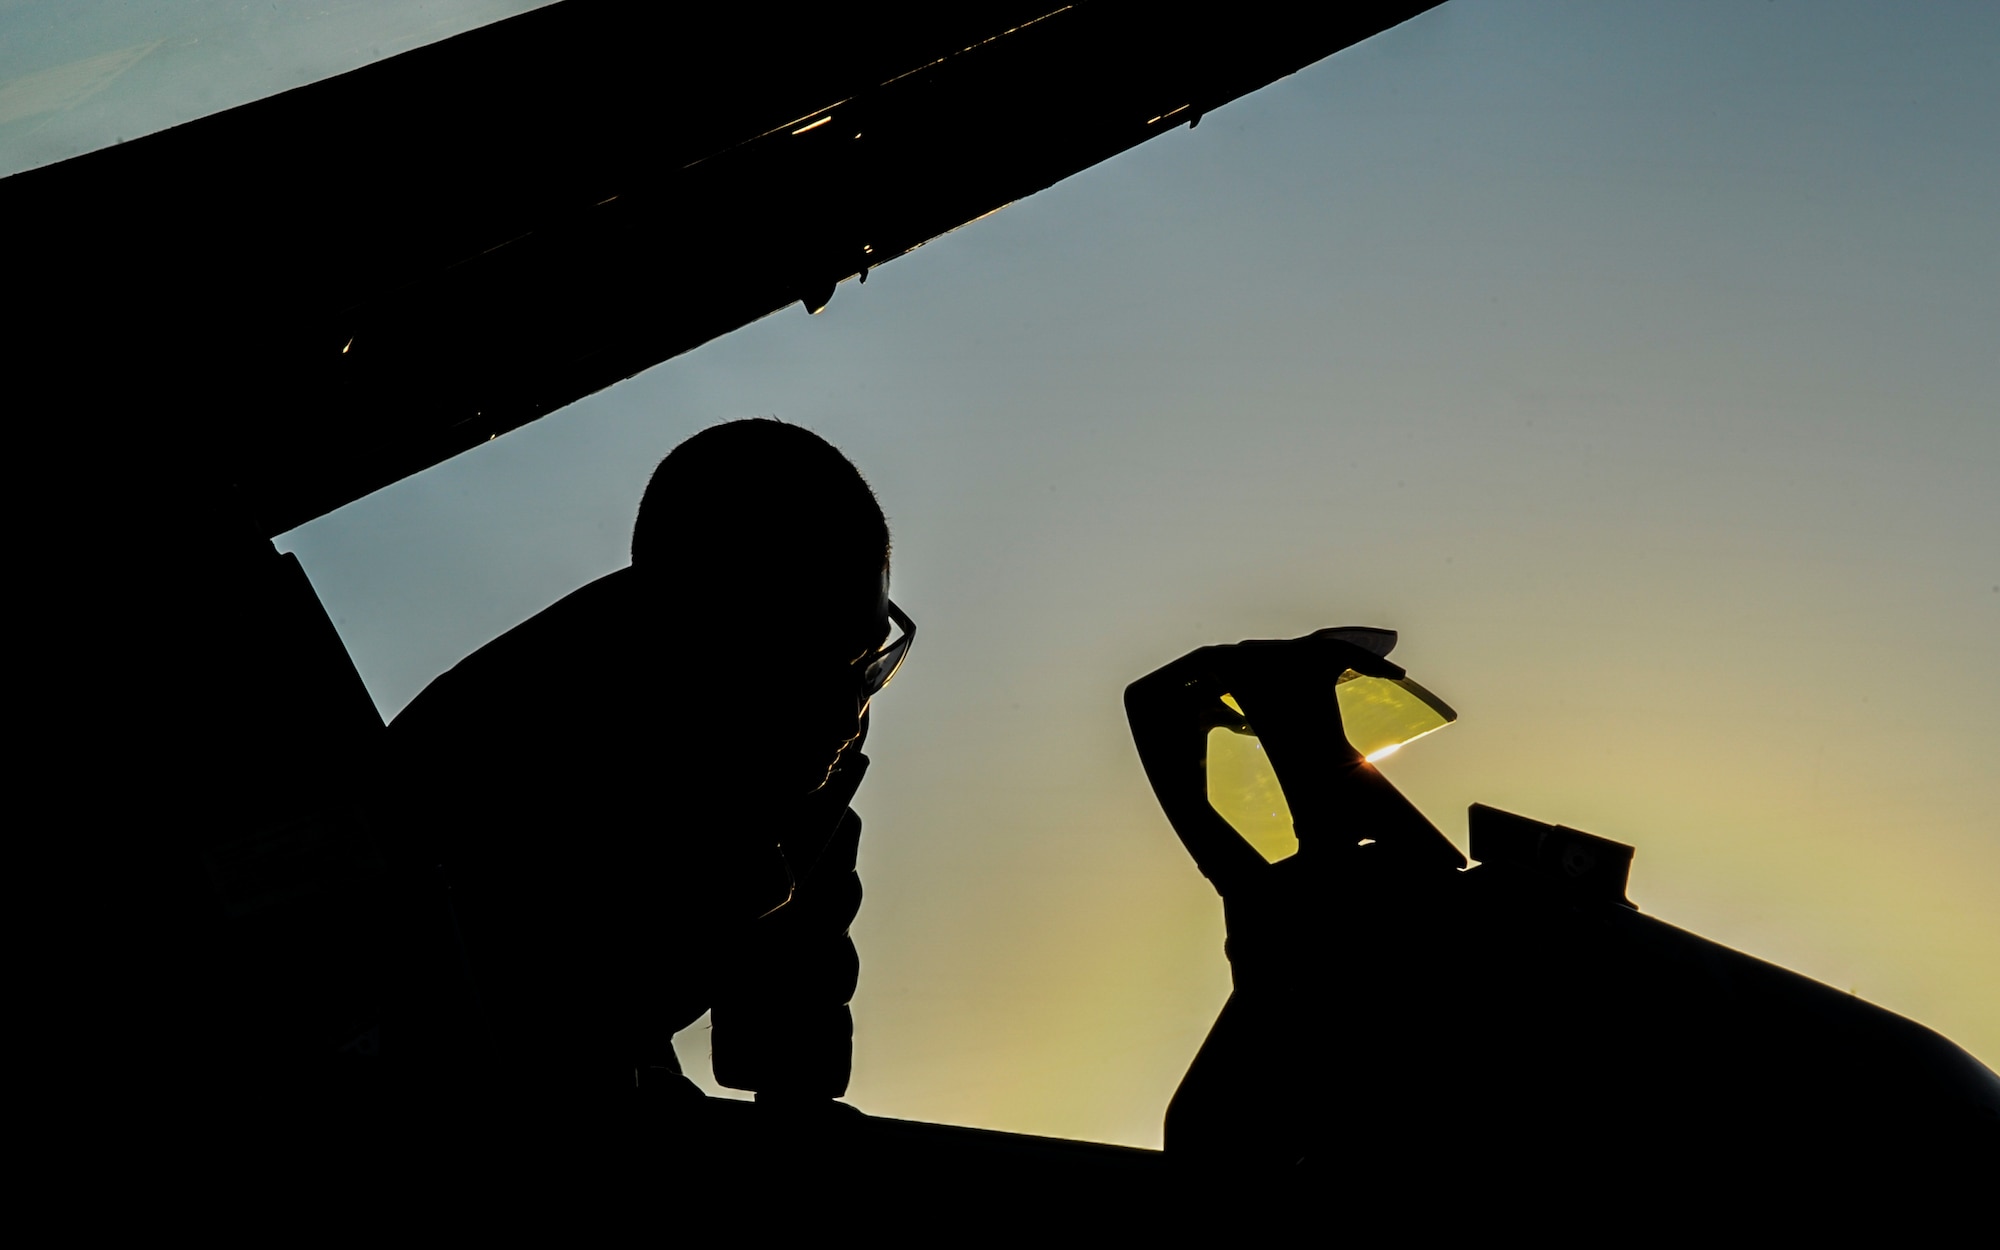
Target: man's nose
[{"x": 860, "y": 724}]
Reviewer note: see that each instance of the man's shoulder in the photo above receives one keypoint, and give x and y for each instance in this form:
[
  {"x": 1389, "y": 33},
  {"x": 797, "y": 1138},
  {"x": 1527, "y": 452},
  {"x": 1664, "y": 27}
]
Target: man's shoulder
[{"x": 561, "y": 653}]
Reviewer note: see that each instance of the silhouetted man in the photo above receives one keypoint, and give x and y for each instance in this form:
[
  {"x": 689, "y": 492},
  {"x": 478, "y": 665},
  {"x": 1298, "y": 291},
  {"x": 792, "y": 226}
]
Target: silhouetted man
[{"x": 632, "y": 808}]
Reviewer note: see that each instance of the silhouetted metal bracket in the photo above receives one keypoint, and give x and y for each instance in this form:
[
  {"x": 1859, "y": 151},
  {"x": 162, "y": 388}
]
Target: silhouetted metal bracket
[{"x": 1579, "y": 864}]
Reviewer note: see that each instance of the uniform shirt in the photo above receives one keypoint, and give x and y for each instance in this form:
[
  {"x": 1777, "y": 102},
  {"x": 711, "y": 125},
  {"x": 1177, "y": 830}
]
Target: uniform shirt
[{"x": 589, "y": 871}]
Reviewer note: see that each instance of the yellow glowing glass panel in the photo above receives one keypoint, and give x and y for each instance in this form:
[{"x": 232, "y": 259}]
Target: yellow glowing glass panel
[
  {"x": 1380, "y": 716},
  {"x": 1243, "y": 789}
]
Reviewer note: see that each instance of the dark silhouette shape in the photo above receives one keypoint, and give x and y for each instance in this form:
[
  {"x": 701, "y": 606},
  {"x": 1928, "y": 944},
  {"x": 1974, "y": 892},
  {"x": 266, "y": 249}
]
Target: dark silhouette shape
[
  {"x": 269, "y": 312},
  {"x": 633, "y": 808},
  {"x": 1520, "y": 1021}
]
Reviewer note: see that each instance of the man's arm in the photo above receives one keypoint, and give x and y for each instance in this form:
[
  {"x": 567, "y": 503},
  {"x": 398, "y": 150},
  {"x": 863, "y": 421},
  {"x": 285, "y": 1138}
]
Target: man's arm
[{"x": 781, "y": 1024}]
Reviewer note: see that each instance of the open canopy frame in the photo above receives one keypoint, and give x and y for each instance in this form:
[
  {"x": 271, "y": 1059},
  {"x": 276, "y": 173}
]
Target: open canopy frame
[{"x": 351, "y": 281}]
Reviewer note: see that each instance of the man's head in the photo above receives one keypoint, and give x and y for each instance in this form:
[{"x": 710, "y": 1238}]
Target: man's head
[{"x": 772, "y": 558}]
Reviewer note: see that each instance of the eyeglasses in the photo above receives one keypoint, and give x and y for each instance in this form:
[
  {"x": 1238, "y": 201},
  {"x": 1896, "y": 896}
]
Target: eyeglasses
[{"x": 879, "y": 668}]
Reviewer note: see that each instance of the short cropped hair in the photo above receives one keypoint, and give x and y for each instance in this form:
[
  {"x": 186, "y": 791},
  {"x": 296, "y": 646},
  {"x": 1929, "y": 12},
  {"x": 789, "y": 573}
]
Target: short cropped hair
[{"x": 750, "y": 500}]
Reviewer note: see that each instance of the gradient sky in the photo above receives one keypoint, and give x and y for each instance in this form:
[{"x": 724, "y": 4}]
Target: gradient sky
[
  {"x": 76, "y": 75},
  {"x": 1636, "y": 361}
]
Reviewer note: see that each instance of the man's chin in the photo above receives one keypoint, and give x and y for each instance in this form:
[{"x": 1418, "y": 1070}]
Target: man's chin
[{"x": 821, "y": 776}]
